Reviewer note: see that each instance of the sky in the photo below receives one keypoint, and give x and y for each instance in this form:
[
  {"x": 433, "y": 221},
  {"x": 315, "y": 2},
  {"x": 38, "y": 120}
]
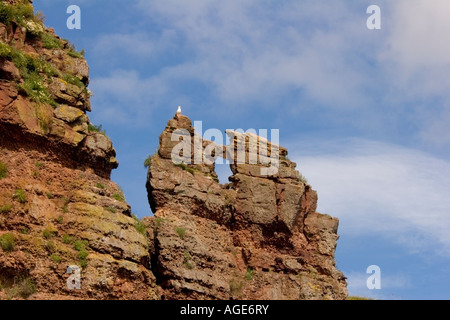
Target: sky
[{"x": 364, "y": 113}]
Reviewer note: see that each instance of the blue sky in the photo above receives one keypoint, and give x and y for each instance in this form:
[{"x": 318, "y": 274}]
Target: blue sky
[{"x": 363, "y": 112}]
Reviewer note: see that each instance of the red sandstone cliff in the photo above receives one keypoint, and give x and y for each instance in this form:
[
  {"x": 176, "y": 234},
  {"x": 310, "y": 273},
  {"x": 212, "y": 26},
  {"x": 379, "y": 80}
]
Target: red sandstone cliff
[{"x": 258, "y": 237}]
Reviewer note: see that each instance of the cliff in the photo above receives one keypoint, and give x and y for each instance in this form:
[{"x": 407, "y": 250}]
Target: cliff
[
  {"x": 257, "y": 237},
  {"x": 58, "y": 207}
]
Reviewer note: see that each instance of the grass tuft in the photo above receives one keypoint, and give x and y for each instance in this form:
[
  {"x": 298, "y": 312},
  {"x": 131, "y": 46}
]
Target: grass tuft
[
  {"x": 140, "y": 227},
  {"x": 3, "y": 170},
  {"x": 5, "y": 208},
  {"x": 7, "y": 242},
  {"x": 20, "y": 196},
  {"x": 181, "y": 232}
]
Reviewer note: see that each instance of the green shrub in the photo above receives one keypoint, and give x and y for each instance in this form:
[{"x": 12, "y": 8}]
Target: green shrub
[
  {"x": 73, "y": 80},
  {"x": 50, "y": 195},
  {"x": 181, "y": 165},
  {"x": 50, "y": 246},
  {"x": 7, "y": 242},
  {"x": 3, "y": 170},
  {"x": 80, "y": 245},
  {"x": 159, "y": 221},
  {"x": 75, "y": 54},
  {"x": 185, "y": 168},
  {"x": 67, "y": 239},
  {"x": 23, "y": 11},
  {"x": 23, "y": 287},
  {"x": 19, "y": 13},
  {"x": 249, "y": 274},
  {"x": 140, "y": 227},
  {"x": 119, "y": 196},
  {"x": 20, "y": 196},
  {"x": 6, "y": 13},
  {"x": 181, "y": 232},
  {"x": 5, "y": 208},
  {"x": 46, "y": 68},
  {"x": 93, "y": 128},
  {"x": 31, "y": 70},
  {"x": 36, "y": 90},
  {"x": 60, "y": 219},
  {"x": 357, "y": 298},
  {"x": 187, "y": 260},
  {"x": 82, "y": 255},
  {"x": 88, "y": 93},
  {"x": 111, "y": 209},
  {"x": 49, "y": 41},
  {"x": 56, "y": 258},
  {"x": 148, "y": 162},
  {"x": 100, "y": 186},
  {"x": 49, "y": 232}
]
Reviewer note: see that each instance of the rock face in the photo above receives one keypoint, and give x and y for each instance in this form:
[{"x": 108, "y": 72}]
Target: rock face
[
  {"x": 58, "y": 207},
  {"x": 44, "y": 95},
  {"x": 258, "y": 237}
]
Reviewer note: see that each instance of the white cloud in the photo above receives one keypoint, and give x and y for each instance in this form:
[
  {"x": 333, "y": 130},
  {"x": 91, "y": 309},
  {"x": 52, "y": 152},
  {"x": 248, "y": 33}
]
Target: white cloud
[
  {"x": 144, "y": 45},
  {"x": 416, "y": 60},
  {"x": 416, "y": 40},
  {"x": 126, "y": 97},
  {"x": 246, "y": 50},
  {"x": 379, "y": 189},
  {"x": 253, "y": 53},
  {"x": 357, "y": 285}
]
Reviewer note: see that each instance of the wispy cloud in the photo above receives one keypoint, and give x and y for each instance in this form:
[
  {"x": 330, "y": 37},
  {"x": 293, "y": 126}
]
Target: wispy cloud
[
  {"x": 416, "y": 59},
  {"x": 297, "y": 56},
  {"x": 143, "y": 45},
  {"x": 357, "y": 285},
  {"x": 380, "y": 189},
  {"x": 248, "y": 50},
  {"x": 126, "y": 97}
]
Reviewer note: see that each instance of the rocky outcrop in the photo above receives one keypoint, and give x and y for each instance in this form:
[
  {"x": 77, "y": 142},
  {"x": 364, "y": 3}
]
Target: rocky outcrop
[
  {"x": 44, "y": 95},
  {"x": 258, "y": 237},
  {"x": 58, "y": 208}
]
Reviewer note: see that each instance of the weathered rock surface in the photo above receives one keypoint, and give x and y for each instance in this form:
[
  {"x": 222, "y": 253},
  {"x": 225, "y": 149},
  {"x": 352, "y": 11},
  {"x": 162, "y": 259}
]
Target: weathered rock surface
[
  {"x": 258, "y": 237},
  {"x": 54, "y": 117},
  {"x": 58, "y": 207}
]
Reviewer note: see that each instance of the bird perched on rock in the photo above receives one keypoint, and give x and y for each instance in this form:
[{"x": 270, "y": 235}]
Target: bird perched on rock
[{"x": 179, "y": 110}]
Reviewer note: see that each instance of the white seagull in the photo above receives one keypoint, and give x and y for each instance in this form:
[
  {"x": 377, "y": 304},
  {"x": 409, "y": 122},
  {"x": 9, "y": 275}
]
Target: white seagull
[{"x": 179, "y": 110}]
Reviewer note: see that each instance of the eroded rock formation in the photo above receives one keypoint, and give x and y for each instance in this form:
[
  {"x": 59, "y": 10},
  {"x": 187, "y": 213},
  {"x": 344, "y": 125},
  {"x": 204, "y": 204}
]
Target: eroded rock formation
[
  {"x": 58, "y": 207},
  {"x": 258, "y": 237}
]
